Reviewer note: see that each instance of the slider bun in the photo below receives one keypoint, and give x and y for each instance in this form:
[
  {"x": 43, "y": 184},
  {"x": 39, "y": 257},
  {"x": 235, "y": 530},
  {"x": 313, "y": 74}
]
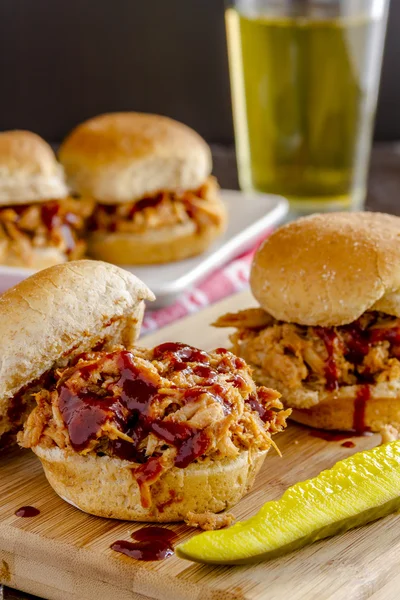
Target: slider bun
[
  {"x": 60, "y": 312},
  {"x": 336, "y": 410},
  {"x": 29, "y": 171},
  {"x": 123, "y": 157},
  {"x": 323, "y": 409},
  {"x": 105, "y": 486},
  {"x": 328, "y": 269},
  {"x": 155, "y": 246}
]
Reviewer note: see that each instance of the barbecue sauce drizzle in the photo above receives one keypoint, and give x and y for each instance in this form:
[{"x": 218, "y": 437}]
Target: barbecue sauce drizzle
[
  {"x": 152, "y": 543},
  {"x": 329, "y": 338},
  {"x": 362, "y": 397},
  {"x": 84, "y": 413},
  {"x": 358, "y": 341},
  {"x": 27, "y": 512},
  {"x": 348, "y": 444}
]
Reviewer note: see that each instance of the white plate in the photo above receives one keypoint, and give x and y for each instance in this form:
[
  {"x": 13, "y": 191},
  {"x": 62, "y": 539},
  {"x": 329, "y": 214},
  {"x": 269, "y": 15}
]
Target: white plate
[{"x": 250, "y": 215}]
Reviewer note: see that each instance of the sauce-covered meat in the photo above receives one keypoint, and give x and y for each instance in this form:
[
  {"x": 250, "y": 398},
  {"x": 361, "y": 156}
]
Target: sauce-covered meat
[
  {"x": 364, "y": 352},
  {"x": 160, "y": 408},
  {"x": 199, "y": 207},
  {"x": 55, "y": 223}
]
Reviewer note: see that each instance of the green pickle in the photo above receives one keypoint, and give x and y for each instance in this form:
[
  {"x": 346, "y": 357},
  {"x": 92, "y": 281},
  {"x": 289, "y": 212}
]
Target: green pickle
[{"x": 357, "y": 490}]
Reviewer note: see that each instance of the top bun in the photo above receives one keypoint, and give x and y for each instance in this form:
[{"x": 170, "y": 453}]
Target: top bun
[
  {"x": 29, "y": 171},
  {"x": 60, "y": 312},
  {"x": 328, "y": 269},
  {"x": 122, "y": 157}
]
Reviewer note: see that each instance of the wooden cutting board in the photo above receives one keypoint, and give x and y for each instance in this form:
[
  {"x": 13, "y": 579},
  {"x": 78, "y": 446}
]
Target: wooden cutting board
[{"x": 63, "y": 554}]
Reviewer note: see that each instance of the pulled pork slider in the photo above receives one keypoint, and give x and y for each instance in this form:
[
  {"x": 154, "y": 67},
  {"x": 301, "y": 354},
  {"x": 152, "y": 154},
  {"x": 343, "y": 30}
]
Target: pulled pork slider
[
  {"x": 40, "y": 224},
  {"x": 327, "y": 334},
  {"x": 49, "y": 319},
  {"x": 150, "y": 178},
  {"x": 125, "y": 432}
]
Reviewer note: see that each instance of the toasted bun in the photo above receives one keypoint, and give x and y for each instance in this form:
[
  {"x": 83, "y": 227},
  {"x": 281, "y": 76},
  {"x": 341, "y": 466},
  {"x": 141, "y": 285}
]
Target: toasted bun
[
  {"x": 122, "y": 157},
  {"x": 29, "y": 171},
  {"x": 156, "y": 246},
  {"x": 59, "y": 313},
  {"x": 328, "y": 269},
  {"x": 340, "y": 409},
  {"x": 105, "y": 486}
]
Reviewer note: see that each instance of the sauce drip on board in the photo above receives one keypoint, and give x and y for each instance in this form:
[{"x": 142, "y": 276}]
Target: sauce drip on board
[
  {"x": 27, "y": 512},
  {"x": 348, "y": 444},
  {"x": 152, "y": 543},
  {"x": 149, "y": 550},
  {"x": 146, "y": 534},
  {"x": 362, "y": 397}
]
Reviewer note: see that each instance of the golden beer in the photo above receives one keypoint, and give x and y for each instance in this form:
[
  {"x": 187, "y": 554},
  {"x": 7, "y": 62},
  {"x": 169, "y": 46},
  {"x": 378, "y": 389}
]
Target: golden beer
[{"x": 304, "y": 94}]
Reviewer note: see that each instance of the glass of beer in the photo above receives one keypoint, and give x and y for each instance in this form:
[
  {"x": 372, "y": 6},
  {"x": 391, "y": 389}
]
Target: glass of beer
[{"x": 305, "y": 78}]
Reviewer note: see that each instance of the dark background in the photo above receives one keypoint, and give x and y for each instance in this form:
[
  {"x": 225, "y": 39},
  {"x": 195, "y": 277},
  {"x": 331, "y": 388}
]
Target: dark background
[{"x": 64, "y": 61}]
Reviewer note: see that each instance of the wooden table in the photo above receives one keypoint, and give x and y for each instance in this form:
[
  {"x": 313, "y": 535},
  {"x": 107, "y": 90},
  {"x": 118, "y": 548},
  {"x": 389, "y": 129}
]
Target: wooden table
[{"x": 383, "y": 195}]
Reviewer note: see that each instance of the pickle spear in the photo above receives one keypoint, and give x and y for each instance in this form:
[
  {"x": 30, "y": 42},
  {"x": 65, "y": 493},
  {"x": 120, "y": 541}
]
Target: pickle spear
[{"x": 357, "y": 490}]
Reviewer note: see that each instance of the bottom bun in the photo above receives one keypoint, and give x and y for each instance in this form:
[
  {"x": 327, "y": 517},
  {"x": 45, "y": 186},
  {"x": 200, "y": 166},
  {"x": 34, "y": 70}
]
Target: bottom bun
[
  {"x": 351, "y": 407},
  {"x": 346, "y": 414},
  {"x": 167, "y": 244},
  {"x": 105, "y": 486}
]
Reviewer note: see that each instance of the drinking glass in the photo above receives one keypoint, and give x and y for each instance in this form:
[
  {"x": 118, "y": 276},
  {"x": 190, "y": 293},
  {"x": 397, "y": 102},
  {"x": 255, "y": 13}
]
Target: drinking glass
[{"x": 305, "y": 78}]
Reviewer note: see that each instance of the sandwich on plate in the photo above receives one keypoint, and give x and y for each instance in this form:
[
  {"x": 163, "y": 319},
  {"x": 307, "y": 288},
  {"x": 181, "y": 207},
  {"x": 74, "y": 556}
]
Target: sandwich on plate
[
  {"x": 150, "y": 178},
  {"x": 326, "y": 333},
  {"x": 40, "y": 224},
  {"x": 122, "y": 431}
]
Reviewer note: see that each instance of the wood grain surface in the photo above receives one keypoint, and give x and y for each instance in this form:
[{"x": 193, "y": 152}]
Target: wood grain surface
[{"x": 64, "y": 554}]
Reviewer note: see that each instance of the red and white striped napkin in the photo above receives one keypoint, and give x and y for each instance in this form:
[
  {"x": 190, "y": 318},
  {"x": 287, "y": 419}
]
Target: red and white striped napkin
[{"x": 228, "y": 280}]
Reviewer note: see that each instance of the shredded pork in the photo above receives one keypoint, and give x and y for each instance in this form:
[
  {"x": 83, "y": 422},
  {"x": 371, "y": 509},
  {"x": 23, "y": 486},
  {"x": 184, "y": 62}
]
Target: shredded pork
[
  {"x": 155, "y": 410},
  {"x": 366, "y": 351},
  {"x": 54, "y": 223},
  {"x": 162, "y": 210}
]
